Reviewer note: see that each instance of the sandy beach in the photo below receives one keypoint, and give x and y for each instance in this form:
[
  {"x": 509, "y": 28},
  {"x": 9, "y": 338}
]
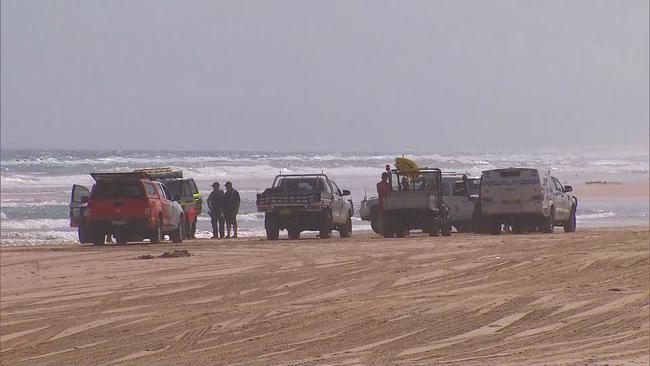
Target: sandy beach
[{"x": 580, "y": 298}]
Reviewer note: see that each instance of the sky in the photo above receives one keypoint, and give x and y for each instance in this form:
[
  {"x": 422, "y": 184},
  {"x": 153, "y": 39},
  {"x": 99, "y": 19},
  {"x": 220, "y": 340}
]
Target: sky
[{"x": 323, "y": 75}]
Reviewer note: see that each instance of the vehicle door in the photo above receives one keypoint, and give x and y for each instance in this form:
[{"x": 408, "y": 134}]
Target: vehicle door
[
  {"x": 191, "y": 196},
  {"x": 463, "y": 206},
  {"x": 176, "y": 210},
  {"x": 78, "y": 202},
  {"x": 337, "y": 204},
  {"x": 562, "y": 205},
  {"x": 165, "y": 206}
]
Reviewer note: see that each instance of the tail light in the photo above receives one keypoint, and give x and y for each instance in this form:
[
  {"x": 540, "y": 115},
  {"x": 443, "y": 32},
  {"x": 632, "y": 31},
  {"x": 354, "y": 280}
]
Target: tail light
[{"x": 147, "y": 211}]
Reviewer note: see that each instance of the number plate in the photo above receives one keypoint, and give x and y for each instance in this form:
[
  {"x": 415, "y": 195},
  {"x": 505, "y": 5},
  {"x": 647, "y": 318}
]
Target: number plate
[
  {"x": 511, "y": 202},
  {"x": 285, "y": 211},
  {"x": 119, "y": 222}
]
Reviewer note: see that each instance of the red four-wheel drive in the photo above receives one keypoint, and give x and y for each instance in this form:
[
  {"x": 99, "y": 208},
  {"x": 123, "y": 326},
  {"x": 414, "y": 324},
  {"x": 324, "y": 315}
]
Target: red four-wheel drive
[{"x": 129, "y": 206}]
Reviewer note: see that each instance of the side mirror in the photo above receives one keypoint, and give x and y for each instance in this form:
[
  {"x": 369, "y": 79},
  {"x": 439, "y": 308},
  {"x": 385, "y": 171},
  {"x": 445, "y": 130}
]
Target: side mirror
[
  {"x": 84, "y": 199},
  {"x": 177, "y": 197},
  {"x": 568, "y": 189},
  {"x": 346, "y": 192}
]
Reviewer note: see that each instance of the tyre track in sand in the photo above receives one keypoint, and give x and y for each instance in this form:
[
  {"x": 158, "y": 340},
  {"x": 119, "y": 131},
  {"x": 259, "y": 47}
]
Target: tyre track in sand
[{"x": 467, "y": 299}]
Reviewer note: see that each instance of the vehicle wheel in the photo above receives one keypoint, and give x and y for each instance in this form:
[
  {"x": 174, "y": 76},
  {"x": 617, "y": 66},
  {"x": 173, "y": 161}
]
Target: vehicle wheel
[
  {"x": 272, "y": 230},
  {"x": 549, "y": 223},
  {"x": 346, "y": 230},
  {"x": 178, "y": 234},
  {"x": 294, "y": 234},
  {"x": 98, "y": 238},
  {"x": 495, "y": 228},
  {"x": 518, "y": 227},
  {"x": 375, "y": 223},
  {"x": 120, "y": 237},
  {"x": 157, "y": 236},
  {"x": 570, "y": 224},
  {"x": 325, "y": 231}
]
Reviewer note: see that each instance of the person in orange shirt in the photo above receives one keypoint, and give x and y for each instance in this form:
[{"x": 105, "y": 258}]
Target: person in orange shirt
[{"x": 383, "y": 191}]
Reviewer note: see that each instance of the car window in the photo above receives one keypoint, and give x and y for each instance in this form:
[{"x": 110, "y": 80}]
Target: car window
[
  {"x": 193, "y": 189},
  {"x": 117, "y": 189},
  {"x": 187, "y": 189},
  {"x": 335, "y": 188},
  {"x": 558, "y": 185},
  {"x": 460, "y": 188},
  {"x": 168, "y": 195},
  {"x": 174, "y": 186},
  {"x": 447, "y": 187},
  {"x": 474, "y": 186},
  {"x": 151, "y": 191},
  {"x": 427, "y": 181}
]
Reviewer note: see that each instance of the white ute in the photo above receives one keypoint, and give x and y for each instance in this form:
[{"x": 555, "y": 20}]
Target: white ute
[{"x": 526, "y": 200}]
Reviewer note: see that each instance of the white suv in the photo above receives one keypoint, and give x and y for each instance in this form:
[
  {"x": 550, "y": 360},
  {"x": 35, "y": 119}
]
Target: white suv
[{"x": 526, "y": 200}]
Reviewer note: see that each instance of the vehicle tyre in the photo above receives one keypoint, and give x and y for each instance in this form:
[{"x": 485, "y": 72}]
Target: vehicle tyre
[
  {"x": 98, "y": 238},
  {"x": 121, "y": 237},
  {"x": 178, "y": 234},
  {"x": 272, "y": 230},
  {"x": 157, "y": 235},
  {"x": 549, "y": 222},
  {"x": 325, "y": 231},
  {"x": 294, "y": 234},
  {"x": 375, "y": 223},
  {"x": 570, "y": 224},
  {"x": 518, "y": 227},
  {"x": 346, "y": 229}
]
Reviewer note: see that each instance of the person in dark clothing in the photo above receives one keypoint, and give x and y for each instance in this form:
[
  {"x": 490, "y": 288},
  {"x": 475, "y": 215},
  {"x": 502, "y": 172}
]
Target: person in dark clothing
[
  {"x": 231, "y": 209},
  {"x": 216, "y": 203}
]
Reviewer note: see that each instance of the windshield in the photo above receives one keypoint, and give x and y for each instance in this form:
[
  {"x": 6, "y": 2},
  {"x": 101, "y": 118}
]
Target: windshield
[
  {"x": 422, "y": 181},
  {"x": 474, "y": 186},
  {"x": 301, "y": 185},
  {"x": 174, "y": 187},
  {"x": 118, "y": 189}
]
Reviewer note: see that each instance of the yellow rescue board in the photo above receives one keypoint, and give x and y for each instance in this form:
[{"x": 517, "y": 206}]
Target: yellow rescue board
[{"x": 406, "y": 166}]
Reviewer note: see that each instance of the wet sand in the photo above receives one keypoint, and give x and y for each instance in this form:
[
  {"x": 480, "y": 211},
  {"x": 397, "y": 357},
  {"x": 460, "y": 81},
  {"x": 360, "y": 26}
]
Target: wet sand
[{"x": 580, "y": 298}]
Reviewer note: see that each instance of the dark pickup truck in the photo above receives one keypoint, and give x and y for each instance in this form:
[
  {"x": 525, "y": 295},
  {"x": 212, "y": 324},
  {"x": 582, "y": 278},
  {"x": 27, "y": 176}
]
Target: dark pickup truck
[{"x": 299, "y": 202}]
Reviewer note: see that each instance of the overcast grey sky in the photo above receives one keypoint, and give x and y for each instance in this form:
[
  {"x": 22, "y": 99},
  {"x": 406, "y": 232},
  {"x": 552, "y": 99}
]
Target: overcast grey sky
[{"x": 323, "y": 75}]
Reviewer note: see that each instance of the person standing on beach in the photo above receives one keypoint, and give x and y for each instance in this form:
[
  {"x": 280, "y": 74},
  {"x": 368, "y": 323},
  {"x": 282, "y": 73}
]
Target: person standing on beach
[
  {"x": 383, "y": 191},
  {"x": 216, "y": 203},
  {"x": 231, "y": 209}
]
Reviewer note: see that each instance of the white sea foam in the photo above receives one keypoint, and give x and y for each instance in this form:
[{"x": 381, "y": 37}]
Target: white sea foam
[
  {"x": 595, "y": 214},
  {"x": 34, "y": 224},
  {"x": 30, "y": 203}
]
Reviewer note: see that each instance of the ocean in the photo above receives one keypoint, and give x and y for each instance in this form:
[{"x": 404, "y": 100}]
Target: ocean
[{"x": 35, "y": 185}]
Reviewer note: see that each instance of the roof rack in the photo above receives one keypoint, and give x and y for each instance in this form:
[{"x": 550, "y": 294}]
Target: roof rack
[
  {"x": 119, "y": 176},
  {"x": 161, "y": 173}
]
